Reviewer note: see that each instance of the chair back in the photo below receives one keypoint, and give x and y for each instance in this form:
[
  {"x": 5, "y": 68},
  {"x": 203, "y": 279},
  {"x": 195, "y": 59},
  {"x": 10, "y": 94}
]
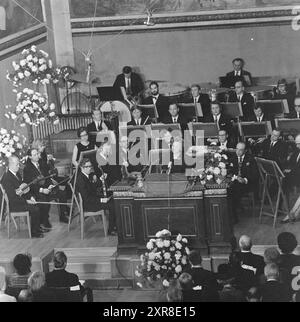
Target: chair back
[
  {"x": 5, "y": 197},
  {"x": 80, "y": 202}
]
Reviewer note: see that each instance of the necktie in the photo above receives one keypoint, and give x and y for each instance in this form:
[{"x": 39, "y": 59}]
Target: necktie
[
  {"x": 195, "y": 100},
  {"x": 98, "y": 126},
  {"x": 128, "y": 86},
  {"x": 137, "y": 122},
  {"x": 174, "y": 119},
  {"x": 240, "y": 165}
]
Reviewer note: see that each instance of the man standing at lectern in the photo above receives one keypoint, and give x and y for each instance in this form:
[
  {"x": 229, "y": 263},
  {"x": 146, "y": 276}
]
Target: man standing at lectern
[
  {"x": 239, "y": 73},
  {"x": 244, "y": 170}
]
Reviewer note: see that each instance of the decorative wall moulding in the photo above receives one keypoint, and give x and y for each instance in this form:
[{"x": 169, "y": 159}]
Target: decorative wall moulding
[{"x": 205, "y": 19}]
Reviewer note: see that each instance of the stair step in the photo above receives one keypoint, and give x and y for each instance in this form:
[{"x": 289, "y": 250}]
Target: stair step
[
  {"x": 108, "y": 283},
  {"x": 102, "y": 267},
  {"x": 88, "y": 252}
]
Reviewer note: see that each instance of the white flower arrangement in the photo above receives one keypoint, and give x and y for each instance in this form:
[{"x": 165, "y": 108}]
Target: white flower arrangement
[
  {"x": 11, "y": 143},
  {"x": 34, "y": 66},
  {"x": 165, "y": 259},
  {"x": 32, "y": 109}
]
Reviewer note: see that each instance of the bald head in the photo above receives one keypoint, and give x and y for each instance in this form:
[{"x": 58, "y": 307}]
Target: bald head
[
  {"x": 245, "y": 243},
  {"x": 240, "y": 149},
  {"x": 271, "y": 271},
  {"x": 2, "y": 279}
]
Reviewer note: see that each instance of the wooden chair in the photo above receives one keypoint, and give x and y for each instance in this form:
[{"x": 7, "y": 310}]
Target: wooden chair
[
  {"x": 73, "y": 199},
  {"x": 86, "y": 214},
  {"x": 13, "y": 215}
]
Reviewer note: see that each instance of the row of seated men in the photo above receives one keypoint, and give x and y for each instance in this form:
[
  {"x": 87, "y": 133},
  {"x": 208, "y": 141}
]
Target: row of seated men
[{"x": 131, "y": 86}]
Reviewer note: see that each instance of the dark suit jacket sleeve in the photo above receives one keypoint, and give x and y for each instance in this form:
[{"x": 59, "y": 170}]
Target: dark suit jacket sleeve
[
  {"x": 138, "y": 83},
  {"x": 119, "y": 81}
]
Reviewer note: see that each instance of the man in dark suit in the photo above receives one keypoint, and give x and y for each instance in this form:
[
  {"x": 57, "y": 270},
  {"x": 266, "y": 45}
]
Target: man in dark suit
[
  {"x": 93, "y": 200},
  {"x": 137, "y": 117},
  {"x": 161, "y": 102},
  {"x": 11, "y": 181},
  {"x": 239, "y": 73},
  {"x": 97, "y": 125},
  {"x": 201, "y": 277},
  {"x": 295, "y": 114},
  {"x": 198, "y": 97},
  {"x": 249, "y": 261},
  {"x": 244, "y": 170},
  {"x": 273, "y": 290},
  {"x": 216, "y": 116},
  {"x": 130, "y": 84},
  {"x": 246, "y": 100},
  {"x": 175, "y": 118},
  {"x": 259, "y": 115},
  {"x": 282, "y": 92},
  {"x": 40, "y": 190},
  {"x": 274, "y": 148},
  {"x": 223, "y": 141}
]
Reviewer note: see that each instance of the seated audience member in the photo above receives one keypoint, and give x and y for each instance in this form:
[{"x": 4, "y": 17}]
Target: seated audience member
[
  {"x": 281, "y": 92},
  {"x": 137, "y": 118},
  {"x": 246, "y": 100},
  {"x": 189, "y": 294},
  {"x": 11, "y": 181},
  {"x": 244, "y": 278},
  {"x": 273, "y": 290},
  {"x": 59, "y": 277},
  {"x": 216, "y": 116},
  {"x": 202, "y": 277},
  {"x": 198, "y": 97},
  {"x": 289, "y": 262},
  {"x": 244, "y": 170},
  {"x": 4, "y": 297},
  {"x": 161, "y": 102},
  {"x": 274, "y": 148},
  {"x": 96, "y": 126},
  {"x": 130, "y": 84},
  {"x": 174, "y": 292},
  {"x": 250, "y": 261},
  {"x": 19, "y": 279},
  {"x": 37, "y": 287},
  {"x": 92, "y": 202},
  {"x": 295, "y": 112},
  {"x": 228, "y": 290},
  {"x": 175, "y": 118},
  {"x": 271, "y": 255},
  {"x": 83, "y": 145},
  {"x": 253, "y": 295},
  {"x": 25, "y": 296},
  {"x": 239, "y": 73}
]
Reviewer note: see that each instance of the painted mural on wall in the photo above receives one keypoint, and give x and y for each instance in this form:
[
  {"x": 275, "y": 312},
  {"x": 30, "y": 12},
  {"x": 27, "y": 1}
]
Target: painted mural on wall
[
  {"x": 106, "y": 8},
  {"x": 19, "y": 15}
]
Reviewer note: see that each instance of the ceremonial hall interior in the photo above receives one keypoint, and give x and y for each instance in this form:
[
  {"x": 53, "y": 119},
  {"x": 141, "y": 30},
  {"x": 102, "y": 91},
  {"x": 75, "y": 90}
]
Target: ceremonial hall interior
[{"x": 149, "y": 151}]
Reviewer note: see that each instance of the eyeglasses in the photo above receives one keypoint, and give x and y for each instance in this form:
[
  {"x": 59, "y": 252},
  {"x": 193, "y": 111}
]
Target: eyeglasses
[
  {"x": 82, "y": 135},
  {"x": 87, "y": 166}
]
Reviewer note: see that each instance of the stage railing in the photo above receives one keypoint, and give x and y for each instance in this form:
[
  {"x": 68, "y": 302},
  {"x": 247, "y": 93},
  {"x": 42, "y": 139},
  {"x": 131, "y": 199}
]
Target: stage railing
[{"x": 66, "y": 122}]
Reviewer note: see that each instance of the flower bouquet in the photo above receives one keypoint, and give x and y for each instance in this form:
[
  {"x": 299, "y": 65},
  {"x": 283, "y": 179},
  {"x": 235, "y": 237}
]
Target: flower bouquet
[
  {"x": 11, "y": 143},
  {"x": 34, "y": 66},
  {"x": 165, "y": 259},
  {"x": 32, "y": 109}
]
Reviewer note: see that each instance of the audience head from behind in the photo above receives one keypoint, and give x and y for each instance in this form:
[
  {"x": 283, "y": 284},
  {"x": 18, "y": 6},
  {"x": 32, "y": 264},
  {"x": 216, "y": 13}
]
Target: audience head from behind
[
  {"x": 60, "y": 260},
  {"x": 224, "y": 274},
  {"x": 215, "y": 108},
  {"x": 86, "y": 166},
  {"x": 173, "y": 110},
  {"x": 154, "y": 88},
  {"x": 245, "y": 241},
  {"x": 14, "y": 164},
  {"x": 25, "y": 296},
  {"x": 127, "y": 70},
  {"x": 195, "y": 90},
  {"x": 36, "y": 281},
  {"x": 276, "y": 134},
  {"x": 239, "y": 87},
  {"x": 82, "y": 133},
  {"x": 238, "y": 64},
  {"x": 253, "y": 295},
  {"x": 297, "y": 104},
  {"x": 271, "y": 255},
  {"x": 186, "y": 281},
  {"x": 271, "y": 272},
  {"x": 22, "y": 264},
  {"x": 282, "y": 86},
  {"x": 287, "y": 242},
  {"x": 195, "y": 259},
  {"x": 240, "y": 151},
  {"x": 174, "y": 292},
  {"x": 136, "y": 112},
  {"x": 223, "y": 136}
]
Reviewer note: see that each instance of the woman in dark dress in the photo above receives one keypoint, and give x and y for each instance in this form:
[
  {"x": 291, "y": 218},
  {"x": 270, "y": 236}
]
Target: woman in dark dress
[{"x": 83, "y": 145}]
